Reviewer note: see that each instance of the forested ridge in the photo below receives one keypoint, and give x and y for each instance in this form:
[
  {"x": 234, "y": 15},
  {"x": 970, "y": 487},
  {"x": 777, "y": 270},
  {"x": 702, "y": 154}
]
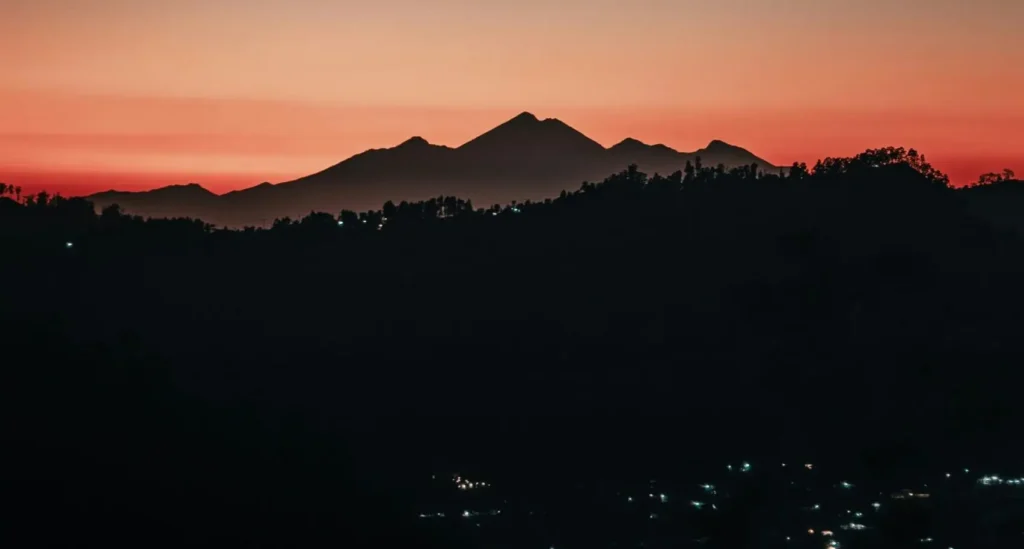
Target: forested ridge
[{"x": 861, "y": 298}]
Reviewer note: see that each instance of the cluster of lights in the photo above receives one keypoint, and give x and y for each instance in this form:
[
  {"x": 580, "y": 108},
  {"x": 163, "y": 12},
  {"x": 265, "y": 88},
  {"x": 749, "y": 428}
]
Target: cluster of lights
[
  {"x": 466, "y": 484},
  {"x": 745, "y": 466},
  {"x": 994, "y": 480},
  {"x": 472, "y": 514},
  {"x": 910, "y": 494}
]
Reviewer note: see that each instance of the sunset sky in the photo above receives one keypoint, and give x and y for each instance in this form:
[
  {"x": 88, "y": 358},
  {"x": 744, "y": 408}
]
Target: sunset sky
[{"x": 131, "y": 94}]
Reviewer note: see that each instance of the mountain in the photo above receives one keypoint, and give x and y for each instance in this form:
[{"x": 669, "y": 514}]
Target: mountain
[
  {"x": 524, "y": 158},
  {"x": 527, "y": 140},
  {"x": 192, "y": 200}
]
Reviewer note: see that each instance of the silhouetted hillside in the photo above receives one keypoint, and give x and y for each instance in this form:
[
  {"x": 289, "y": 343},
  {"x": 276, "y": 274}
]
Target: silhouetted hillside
[
  {"x": 263, "y": 383},
  {"x": 521, "y": 159},
  {"x": 168, "y": 201},
  {"x": 1001, "y": 202}
]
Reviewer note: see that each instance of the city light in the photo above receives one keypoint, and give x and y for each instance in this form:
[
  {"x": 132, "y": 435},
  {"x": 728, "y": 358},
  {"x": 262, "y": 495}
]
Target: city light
[{"x": 834, "y": 535}]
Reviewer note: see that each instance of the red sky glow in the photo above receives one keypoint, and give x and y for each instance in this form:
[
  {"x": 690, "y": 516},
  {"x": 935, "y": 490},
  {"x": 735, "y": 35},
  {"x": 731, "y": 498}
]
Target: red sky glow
[{"x": 100, "y": 94}]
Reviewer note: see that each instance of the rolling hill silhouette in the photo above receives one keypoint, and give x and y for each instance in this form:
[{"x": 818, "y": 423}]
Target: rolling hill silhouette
[{"x": 524, "y": 158}]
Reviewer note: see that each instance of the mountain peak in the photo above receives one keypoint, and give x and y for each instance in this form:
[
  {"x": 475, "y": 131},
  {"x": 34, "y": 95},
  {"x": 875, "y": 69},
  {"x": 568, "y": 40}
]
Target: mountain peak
[
  {"x": 550, "y": 137},
  {"x": 718, "y": 144},
  {"x": 629, "y": 143},
  {"x": 188, "y": 188},
  {"x": 525, "y": 117},
  {"x": 414, "y": 141}
]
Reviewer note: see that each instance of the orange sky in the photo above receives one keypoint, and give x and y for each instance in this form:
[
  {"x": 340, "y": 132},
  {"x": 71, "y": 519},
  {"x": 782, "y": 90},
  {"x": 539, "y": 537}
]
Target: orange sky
[{"x": 132, "y": 94}]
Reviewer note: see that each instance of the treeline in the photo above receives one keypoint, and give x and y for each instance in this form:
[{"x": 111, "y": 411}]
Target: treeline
[{"x": 71, "y": 217}]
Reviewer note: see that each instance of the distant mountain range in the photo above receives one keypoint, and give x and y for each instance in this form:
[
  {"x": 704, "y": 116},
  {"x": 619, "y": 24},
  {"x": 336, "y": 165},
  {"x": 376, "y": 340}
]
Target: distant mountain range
[{"x": 523, "y": 159}]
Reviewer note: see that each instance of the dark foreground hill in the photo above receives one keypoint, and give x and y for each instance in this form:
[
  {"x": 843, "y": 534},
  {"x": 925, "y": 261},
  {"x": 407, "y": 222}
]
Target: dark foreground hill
[
  {"x": 268, "y": 381},
  {"x": 522, "y": 159}
]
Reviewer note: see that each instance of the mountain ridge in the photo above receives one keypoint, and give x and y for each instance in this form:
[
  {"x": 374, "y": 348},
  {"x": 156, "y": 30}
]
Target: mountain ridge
[{"x": 523, "y": 158}]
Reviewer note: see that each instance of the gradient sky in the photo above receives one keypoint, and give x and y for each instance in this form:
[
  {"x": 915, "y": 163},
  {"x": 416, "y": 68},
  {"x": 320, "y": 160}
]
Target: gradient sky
[{"x": 133, "y": 94}]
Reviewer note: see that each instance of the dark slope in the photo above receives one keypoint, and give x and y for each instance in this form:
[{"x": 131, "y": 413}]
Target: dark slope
[
  {"x": 524, "y": 158},
  {"x": 1000, "y": 203},
  {"x": 191, "y": 200}
]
